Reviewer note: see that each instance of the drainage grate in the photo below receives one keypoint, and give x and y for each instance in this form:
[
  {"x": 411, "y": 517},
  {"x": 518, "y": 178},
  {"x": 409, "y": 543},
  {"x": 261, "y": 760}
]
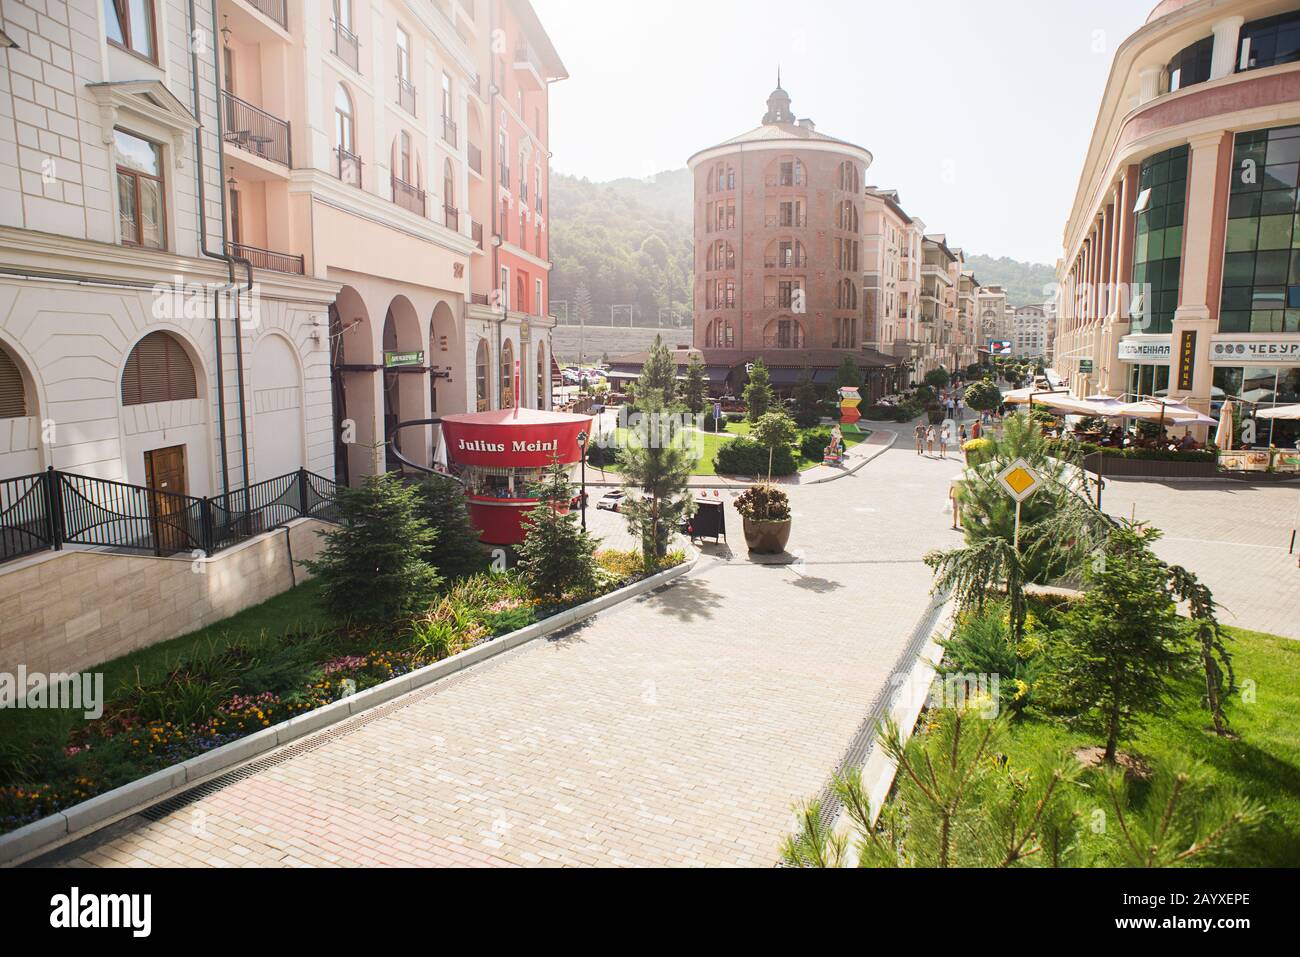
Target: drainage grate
[{"x": 864, "y": 739}]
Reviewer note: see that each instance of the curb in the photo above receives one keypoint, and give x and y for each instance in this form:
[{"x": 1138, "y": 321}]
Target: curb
[
  {"x": 80, "y": 820},
  {"x": 866, "y": 459}
]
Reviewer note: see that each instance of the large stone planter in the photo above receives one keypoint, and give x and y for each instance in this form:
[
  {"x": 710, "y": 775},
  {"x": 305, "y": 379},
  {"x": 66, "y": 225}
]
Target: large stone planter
[{"x": 766, "y": 538}]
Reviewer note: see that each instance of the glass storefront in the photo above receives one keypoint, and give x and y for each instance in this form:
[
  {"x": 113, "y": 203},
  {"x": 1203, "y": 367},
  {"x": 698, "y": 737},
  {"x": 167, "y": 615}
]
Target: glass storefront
[
  {"x": 1148, "y": 380},
  {"x": 1262, "y": 387},
  {"x": 1158, "y": 245},
  {"x": 1261, "y": 269}
]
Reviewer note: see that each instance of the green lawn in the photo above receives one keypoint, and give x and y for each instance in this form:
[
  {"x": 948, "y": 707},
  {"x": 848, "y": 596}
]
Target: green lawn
[
  {"x": 1263, "y": 762},
  {"x": 292, "y": 612},
  {"x": 712, "y": 441}
]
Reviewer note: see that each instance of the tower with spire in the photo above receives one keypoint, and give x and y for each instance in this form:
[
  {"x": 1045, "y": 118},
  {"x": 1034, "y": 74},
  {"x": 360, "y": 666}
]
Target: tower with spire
[{"x": 778, "y": 106}]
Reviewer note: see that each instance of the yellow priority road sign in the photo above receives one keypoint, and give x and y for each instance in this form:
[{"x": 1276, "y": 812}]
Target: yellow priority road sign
[{"x": 1019, "y": 480}]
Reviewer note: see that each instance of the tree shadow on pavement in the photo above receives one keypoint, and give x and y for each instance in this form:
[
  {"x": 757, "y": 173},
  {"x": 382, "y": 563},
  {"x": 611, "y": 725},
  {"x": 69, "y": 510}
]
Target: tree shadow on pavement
[{"x": 688, "y": 599}]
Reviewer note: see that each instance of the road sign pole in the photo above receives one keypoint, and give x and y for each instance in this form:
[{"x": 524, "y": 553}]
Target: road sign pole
[{"x": 1016, "y": 540}]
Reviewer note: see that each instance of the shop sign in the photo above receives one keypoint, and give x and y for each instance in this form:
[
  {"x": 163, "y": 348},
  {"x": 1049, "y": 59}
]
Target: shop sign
[
  {"x": 1186, "y": 359},
  {"x": 1157, "y": 349},
  {"x": 1262, "y": 351},
  {"x": 1085, "y": 367},
  {"x": 394, "y": 359}
]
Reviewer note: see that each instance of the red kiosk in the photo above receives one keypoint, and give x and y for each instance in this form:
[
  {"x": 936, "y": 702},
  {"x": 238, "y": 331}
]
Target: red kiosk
[{"x": 499, "y": 455}]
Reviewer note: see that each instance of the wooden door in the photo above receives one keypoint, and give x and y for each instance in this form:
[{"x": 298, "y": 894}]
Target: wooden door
[{"x": 165, "y": 476}]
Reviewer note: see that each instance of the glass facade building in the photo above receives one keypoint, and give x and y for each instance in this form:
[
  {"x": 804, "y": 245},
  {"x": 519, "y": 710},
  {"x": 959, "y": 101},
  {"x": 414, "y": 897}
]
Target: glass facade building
[{"x": 1158, "y": 245}]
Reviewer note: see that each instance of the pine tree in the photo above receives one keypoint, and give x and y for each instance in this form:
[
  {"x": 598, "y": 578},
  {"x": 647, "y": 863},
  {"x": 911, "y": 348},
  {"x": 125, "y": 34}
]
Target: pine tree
[
  {"x": 807, "y": 404},
  {"x": 372, "y": 569},
  {"x": 848, "y": 375},
  {"x": 557, "y": 557},
  {"x": 695, "y": 390},
  {"x": 758, "y": 392},
  {"x": 1121, "y": 649},
  {"x": 657, "y": 386},
  {"x": 456, "y": 550},
  {"x": 656, "y": 475}
]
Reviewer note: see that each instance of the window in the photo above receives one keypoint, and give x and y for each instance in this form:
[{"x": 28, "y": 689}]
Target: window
[
  {"x": 158, "y": 370},
  {"x": 344, "y": 131},
  {"x": 13, "y": 390},
  {"x": 523, "y": 230},
  {"x": 541, "y": 375},
  {"x": 784, "y": 334},
  {"x": 130, "y": 26},
  {"x": 505, "y": 287},
  {"x": 481, "y": 377},
  {"x": 1191, "y": 65},
  {"x": 539, "y": 306},
  {"x": 404, "y": 157},
  {"x": 404, "y": 56},
  {"x": 1261, "y": 267},
  {"x": 505, "y": 220},
  {"x": 228, "y": 69},
  {"x": 1269, "y": 42},
  {"x": 508, "y": 375},
  {"x": 1158, "y": 245},
  {"x": 141, "y": 206},
  {"x": 343, "y": 13},
  {"x": 720, "y": 335},
  {"x": 537, "y": 186},
  {"x": 448, "y": 185},
  {"x": 538, "y": 248},
  {"x": 446, "y": 97},
  {"x": 236, "y": 224}
]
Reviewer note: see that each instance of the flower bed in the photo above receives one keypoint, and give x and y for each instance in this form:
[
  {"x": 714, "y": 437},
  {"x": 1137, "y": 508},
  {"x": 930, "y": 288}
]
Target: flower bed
[{"x": 232, "y": 685}]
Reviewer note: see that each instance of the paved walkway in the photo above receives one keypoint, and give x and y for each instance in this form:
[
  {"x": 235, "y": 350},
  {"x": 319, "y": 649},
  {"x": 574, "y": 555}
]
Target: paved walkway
[
  {"x": 675, "y": 730},
  {"x": 1233, "y": 535}
]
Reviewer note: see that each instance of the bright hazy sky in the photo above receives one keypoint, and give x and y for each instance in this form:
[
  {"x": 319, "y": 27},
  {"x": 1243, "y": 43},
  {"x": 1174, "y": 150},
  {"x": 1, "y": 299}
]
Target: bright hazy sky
[{"x": 977, "y": 111}]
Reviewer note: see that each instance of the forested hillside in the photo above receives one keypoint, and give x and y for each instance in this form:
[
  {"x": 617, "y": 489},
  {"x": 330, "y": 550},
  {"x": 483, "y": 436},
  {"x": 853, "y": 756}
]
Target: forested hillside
[
  {"x": 1027, "y": 284},
  {"x": 626, "y": 243}
]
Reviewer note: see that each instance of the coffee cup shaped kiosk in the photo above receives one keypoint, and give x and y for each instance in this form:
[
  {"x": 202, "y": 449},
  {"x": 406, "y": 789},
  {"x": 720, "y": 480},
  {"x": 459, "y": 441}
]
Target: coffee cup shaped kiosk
[{"x": 500, "y": 455}]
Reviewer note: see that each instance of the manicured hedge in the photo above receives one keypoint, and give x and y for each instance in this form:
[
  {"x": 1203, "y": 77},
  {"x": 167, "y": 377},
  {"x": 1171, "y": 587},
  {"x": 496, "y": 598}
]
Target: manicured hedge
[
  {"x": 747, "y": 457},
  {"x": 1146, "y": 455}
]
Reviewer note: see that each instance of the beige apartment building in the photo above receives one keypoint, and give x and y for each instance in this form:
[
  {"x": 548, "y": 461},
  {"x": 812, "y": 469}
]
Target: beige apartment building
[
  {"x": 227, "y": 259},
  {"x": 1181, "y": 273}
]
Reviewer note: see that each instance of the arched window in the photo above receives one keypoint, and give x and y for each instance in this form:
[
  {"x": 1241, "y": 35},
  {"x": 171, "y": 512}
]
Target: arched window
[
  {"x": 344, "y": 120},
  {"x": 720, "y": 335},
  {"x": 158, "y": 370},
  {"x": 13, "y": 390},
  {"x": 783, "y": 333},
  {"x": 508, "y": 375},
  {"x": 405, "y": 163},
  {"x": 481, "y": 377}
]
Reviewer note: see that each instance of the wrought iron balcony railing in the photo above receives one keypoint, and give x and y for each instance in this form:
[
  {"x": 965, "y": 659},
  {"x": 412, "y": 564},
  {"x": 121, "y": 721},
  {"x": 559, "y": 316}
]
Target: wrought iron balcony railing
[
  {"x": 274, "y": 9},
  {"x": 348, "y": 166},
  {"x": 406, "y": 95},
  {"x": 449, "y": 131},
  {"x": 255, "y": 130},
  {"x": 268, "y": 258},
  {"x": 409, "y": 197},
  {"x": 347, "y": 47},
  {"x": 475, "y": 158}
]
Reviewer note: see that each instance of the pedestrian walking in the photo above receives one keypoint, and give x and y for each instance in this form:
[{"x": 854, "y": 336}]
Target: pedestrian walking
[
  {"x": 961, "y": 435},
  {"x": 929, "y": 440},
  {"x": 919, "y": 432},
  {"x": 945, "y": 438}
]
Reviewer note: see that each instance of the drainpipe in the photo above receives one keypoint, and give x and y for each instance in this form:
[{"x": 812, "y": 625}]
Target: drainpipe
[{"x": 230, "y": 261}]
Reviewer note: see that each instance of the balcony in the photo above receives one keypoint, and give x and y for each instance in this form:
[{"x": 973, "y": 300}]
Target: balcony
[
  {"x": 410, "y": 198},
  {"x": 787, "y": 221},
  {"x": 267, "y": 258},
  {"x": 476, "y": 233},
  {"x": 348, "y": 166},
  {"x": 272, "y": 9},
  {"x": 406, "y": 95},
  {"x": 347, "y": 47},
  {"x": 778, "y": 302},
  {"x": 785, "y": 262},
  {"x": 451, "y": 217},
  {"x": 528, "y": 65},
  {"x": 784, "y": 179},
  {"x": 255, "y": 130},
  {"x": 449, "y": 131},
  {"x": 475, "y": 156}
]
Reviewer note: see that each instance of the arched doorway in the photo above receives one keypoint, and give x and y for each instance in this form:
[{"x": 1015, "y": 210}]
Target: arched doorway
[
  {"x": 405, "y": 392},
  {"x": 278, "y": 447},
  {"x": 353, "y": 362},
  {"x": 508, "y": 374},
  {"x": 448, "y": 393}
]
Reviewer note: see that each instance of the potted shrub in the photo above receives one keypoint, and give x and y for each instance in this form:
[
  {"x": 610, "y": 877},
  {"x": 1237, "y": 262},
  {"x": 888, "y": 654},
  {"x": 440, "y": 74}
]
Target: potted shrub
[{"x": 765, "y": 514}]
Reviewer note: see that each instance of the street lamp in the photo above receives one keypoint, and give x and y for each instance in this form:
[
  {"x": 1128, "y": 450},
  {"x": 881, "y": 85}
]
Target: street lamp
[{"x": 582, "y": 501}]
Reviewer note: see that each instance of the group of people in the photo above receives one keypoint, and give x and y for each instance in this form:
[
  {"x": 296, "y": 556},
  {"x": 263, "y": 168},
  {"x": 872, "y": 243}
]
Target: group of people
[{"x": 928, "y": 435}]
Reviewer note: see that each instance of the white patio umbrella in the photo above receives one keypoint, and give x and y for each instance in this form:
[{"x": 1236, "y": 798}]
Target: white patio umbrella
[
  {"x": 1164, "y": 410},
  {"x": 1289, "y": 412},
  {"x": 1223, "y": 436}
]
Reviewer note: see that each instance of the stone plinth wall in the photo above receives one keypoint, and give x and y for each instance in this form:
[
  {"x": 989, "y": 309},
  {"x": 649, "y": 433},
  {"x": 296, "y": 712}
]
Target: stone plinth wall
[{"x": 67, "y": 611}]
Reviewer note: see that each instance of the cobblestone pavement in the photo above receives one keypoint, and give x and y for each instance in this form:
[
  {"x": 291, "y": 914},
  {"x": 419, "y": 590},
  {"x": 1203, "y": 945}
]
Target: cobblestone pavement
[
  {"x": 1233, "y": 535},
  {"x": 677, "y": 729}
]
